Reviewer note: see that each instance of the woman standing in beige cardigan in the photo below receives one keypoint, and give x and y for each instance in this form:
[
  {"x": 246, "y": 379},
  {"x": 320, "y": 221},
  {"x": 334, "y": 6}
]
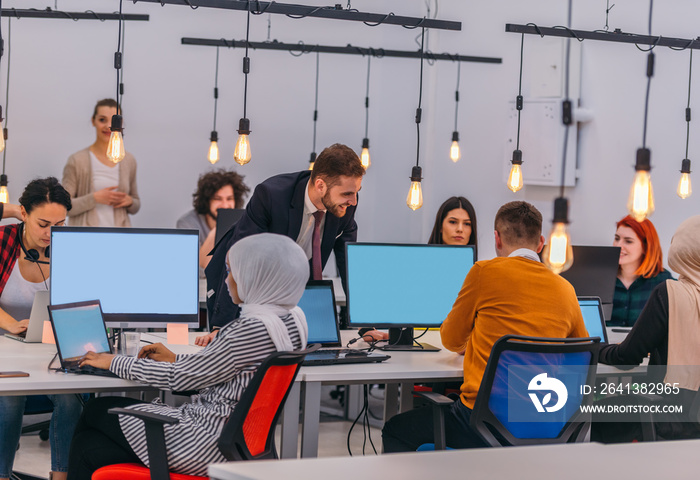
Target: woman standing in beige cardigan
[{"x": 103, "y": 193}]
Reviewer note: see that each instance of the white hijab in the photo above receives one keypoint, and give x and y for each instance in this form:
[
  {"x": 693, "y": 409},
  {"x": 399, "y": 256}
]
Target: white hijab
[
  {"x": 271, "y": 271},
  {"x": 684, "y": 306}
]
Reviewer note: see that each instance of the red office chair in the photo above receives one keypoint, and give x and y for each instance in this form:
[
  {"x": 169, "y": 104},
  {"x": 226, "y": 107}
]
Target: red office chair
[{"x": 249, "y": 433}]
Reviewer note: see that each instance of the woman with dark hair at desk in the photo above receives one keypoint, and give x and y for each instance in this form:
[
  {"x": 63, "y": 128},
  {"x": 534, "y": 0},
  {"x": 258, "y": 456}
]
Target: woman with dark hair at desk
[
  {"x": 641, "y": 269},
  {"x": 24, "y": 270},
  {"x": 668, "y": 330},
  {"x": 267, "y": 276},
  {"x": 455, "y": 224}
]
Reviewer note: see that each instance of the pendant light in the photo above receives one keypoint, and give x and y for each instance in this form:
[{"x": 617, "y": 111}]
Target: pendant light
[
  {"x": 241, "y": 153},
  {"x": 364, "y": 155},
  {"x": 213, "y": 154},
  {"x": 684, "y": 189},
  {"x": 312, "y": 158},
  {"x": 414, "y": 200},
  {"x": 515, "y": 177},
  {"x": 115, "y": 148},
  {"x": 4, "y": 194},
  {"x": 558, "y": 255},
  {"x": 455, "y": 154},
  {"x": 641, "y": 199}
]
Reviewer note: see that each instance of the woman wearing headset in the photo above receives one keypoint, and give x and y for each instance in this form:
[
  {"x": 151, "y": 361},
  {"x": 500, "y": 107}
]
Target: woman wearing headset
[{"x": 24, "y": 270}]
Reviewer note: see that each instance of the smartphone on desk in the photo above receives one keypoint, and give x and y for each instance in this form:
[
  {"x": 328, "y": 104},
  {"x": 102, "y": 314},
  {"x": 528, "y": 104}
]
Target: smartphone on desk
[{"x": 13, "y": 374}]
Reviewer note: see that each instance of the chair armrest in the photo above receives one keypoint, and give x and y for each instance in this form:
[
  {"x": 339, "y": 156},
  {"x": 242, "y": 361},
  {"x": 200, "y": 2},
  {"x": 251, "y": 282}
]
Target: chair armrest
[
  {"x": 145, "y": 416},
  {"x": 435, "y": 398},
  {"x": 439, "y": 403},
  {"x": 155, "y": 439}
]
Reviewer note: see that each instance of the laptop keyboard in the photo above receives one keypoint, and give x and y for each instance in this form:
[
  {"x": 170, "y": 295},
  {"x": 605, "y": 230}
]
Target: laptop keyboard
[{"x": 88, "y": 370}]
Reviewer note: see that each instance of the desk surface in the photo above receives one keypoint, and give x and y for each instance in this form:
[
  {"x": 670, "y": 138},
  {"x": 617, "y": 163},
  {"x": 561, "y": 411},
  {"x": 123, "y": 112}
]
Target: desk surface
[
  {"x": 34, "y": 359},
  {"x": 582, "y": 461}
]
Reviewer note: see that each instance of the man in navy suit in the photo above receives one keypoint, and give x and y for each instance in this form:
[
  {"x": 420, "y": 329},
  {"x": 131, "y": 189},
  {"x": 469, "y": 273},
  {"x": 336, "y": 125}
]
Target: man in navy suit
[{"x": 285, "y": 204}]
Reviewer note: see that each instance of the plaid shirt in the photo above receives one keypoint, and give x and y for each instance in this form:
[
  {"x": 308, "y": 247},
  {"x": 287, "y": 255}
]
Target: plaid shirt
[
  {"x": 629, "y": 303},
  {"x": 9, "y": 251}
]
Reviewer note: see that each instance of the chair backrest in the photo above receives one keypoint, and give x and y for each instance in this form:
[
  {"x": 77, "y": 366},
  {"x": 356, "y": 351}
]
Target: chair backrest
[
  {"x": 249, "y": 432},
  {"x": 533, "y": 388}
]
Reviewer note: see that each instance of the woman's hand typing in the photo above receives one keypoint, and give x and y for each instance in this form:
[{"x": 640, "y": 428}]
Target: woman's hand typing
[
  {"x": 157, "y": 352},
  {"x": 97, "y": 360}
]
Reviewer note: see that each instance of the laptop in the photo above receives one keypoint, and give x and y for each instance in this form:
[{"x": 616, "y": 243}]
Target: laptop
[
  {"x": 225, "y": 219},
  {"x": 78, "y": 328},
  {"x": 594, "y": 273},
  {"x": 39, "y": 314},
  {"x": 318, "y": 304},
  {"x": 593, "y": 318}
]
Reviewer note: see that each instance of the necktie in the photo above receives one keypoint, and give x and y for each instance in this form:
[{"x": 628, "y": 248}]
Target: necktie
[{"x": 317, "y": 269}]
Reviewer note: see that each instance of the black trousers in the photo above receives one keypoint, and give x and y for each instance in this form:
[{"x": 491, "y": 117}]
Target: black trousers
[
  {"x": 98, "y": 439},
  {"x": 409, "y": 430}
]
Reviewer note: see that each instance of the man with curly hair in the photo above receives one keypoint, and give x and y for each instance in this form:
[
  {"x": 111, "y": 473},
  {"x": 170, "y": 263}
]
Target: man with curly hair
[{"x": 217, "y": 189}]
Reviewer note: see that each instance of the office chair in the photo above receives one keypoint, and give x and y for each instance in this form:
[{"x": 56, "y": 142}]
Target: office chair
[
  {"x": 249, "y": 433},
  {"x": 524, "y": 383}
]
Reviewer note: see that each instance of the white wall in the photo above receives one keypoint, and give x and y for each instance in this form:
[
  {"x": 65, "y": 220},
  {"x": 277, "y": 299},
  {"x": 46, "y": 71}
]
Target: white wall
[{"x": 60, "y": 68}]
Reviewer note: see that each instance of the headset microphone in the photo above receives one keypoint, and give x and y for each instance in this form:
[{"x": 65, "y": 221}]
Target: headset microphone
[{"x": 32, "y": 254}]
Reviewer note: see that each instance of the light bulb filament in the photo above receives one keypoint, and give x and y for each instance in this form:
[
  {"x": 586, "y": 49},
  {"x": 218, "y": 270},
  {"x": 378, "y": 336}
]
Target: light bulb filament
[{"x": 515, "y": 178}]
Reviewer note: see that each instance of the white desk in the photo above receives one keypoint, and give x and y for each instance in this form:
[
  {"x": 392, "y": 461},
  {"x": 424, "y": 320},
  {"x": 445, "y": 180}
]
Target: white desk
[
  {"x": 403, "y": 368},
  {"x": 581, "y": 461},
  {"x": 34, "y": 359}
]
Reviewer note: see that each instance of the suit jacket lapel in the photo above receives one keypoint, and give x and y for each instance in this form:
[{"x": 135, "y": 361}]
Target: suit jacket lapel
[{"x": 296, "y": 208}]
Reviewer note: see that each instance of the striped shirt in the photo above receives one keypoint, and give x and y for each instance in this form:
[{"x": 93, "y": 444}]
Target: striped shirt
[{"x": 220, "y": 372}]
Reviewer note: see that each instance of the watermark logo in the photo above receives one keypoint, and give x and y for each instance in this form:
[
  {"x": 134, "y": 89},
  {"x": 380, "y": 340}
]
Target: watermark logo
[{"x": 542, "y": 383}]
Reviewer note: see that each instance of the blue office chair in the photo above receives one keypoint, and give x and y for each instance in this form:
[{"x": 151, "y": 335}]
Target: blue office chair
[{"x": 531, "y": 392}]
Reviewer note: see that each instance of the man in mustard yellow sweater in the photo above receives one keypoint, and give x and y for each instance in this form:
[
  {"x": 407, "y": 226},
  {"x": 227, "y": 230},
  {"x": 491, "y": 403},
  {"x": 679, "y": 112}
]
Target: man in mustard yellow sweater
[{"x": 511, "y": 294}]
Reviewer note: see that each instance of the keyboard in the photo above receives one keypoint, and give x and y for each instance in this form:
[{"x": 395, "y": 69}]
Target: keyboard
[{"x": 88, "y": 370}]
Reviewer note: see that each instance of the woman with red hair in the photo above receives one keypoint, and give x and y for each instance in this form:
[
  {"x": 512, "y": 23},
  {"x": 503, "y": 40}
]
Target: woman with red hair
[{"x": 641, "y": 269}]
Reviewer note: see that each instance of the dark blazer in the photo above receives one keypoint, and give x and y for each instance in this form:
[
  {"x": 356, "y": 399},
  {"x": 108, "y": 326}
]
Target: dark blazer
[{"x": 277, "y": 206}]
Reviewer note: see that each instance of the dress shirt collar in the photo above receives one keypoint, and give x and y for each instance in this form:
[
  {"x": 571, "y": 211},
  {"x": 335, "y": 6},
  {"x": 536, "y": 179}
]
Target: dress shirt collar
[
  {"x": 309, "y": 206},
  {"x": 526, "y": 253}
]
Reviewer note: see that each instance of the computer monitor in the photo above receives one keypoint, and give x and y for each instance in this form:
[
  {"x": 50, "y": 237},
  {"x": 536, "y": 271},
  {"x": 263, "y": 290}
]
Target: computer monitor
[
  {"x": 593, "y": 273},
  {"x": 225, "y": 219},
  {"x": 143, "y": 278},
  {"x": 402, "y": 286}
]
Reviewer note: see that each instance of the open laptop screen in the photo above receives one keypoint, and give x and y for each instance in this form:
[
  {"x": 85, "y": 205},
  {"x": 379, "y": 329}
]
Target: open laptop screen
[
  {"x": 593, "y": 317},
  {"x": 318, "y": 304},
  {"x": 79, "y": 328}
]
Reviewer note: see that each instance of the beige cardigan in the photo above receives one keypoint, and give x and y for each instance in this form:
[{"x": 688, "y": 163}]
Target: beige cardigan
[{"x": 77, "y": 180}]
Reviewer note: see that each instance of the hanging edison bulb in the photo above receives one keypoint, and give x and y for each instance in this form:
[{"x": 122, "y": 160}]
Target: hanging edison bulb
[
  {"x": 115, "y": 148},
  {"x": 641, "y": 200},
  {"x": 213, "y": 154},
  {"x": 455, "y": 154},
  {"x": 241, "y": 154},
  {"x": 415, "y": 193},
  {"x": 364, "y": 156},
  {"x": 558, "y": 255},
  {"x": 4, "y": 194},
  {"x": 684, "y": 188},
  {"x": 515, "y": 177},
  {"x": 312, "y": 160}
]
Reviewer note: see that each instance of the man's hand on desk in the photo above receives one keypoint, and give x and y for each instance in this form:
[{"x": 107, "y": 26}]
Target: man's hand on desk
[
  {"x": 97, "y": 360},
  {"x": 157, "y": 352},
  {"x": 18, "y": 327},
  {"x": 204, "y": 340}
]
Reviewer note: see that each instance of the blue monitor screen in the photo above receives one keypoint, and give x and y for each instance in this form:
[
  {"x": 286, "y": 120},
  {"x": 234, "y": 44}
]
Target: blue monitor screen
[
  {"x": 593, "y": 317},
  {"x": 318, "y": 305},
  {"x": 394, "y": 285},
  {"x": 142, "y": 277}
]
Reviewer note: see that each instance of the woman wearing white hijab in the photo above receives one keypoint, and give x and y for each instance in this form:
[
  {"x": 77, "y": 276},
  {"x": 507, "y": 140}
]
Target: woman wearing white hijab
[
  {"x": 267, "y": 276},
  {"x": 668, "y": 330}
]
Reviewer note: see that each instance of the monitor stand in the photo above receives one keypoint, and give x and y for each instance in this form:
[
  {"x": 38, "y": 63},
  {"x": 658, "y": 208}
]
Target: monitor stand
[{"x": 401, "y": 340}]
